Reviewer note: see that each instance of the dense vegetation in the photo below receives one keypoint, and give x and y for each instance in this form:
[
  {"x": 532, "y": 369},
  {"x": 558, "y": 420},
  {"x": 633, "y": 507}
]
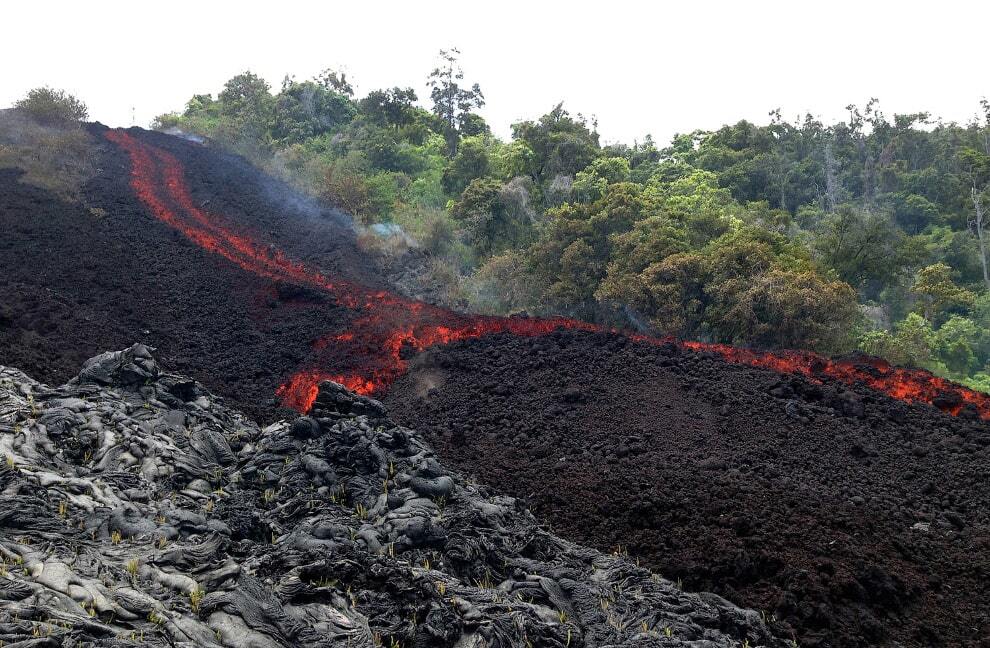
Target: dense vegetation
[{"x": 862, "y": 233}]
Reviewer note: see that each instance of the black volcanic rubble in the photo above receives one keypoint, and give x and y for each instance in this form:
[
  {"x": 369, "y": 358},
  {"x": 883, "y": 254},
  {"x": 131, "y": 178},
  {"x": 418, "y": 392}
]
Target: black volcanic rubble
[
  {"x": 136, "y": 508},
  {"x": 850, "y": 519}
]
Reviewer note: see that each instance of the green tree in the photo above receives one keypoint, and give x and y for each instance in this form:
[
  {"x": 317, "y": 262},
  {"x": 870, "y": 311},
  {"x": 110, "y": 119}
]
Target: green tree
[
  {"x": 958, "y": 341},
  {"x": 580, "y": 269},
  {"x": 248, "y": 107},
  {"x": 791, "y": 309},
  {"x": 976, "y": 167},
  {"x": 671, "y": 292},
  {"x": 912, "y": 344},
  {"x": 335, "y": 81},
  {"x": 472, "y": 125},
  {"x": 913, "y": 213},
  {"x": 560, "y": 144},
  {"x": 348, "y": 191},
  {"x": 451, "y": 102},
  {"x": 51, "y": 107},
  {"x": 303, "y": 111},
  {"x": 393, "y": 108},
  {"x": 861, "y": 245},
  {"x": 471, "y": 162},
  {"x": 590, "y": 184},
  {"x": 705, "y": 210},
  {"x": 483, "y": 212},
  {"x": 938, "y": 294}
]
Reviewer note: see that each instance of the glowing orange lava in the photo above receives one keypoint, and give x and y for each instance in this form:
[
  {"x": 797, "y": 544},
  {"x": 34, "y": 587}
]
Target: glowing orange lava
[{"x": 391, "y": 323}]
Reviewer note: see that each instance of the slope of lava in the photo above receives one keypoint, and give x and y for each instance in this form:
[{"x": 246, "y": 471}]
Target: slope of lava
[
  {"x": 390, "y": 323},
  {"x": 850, "y": 518}
]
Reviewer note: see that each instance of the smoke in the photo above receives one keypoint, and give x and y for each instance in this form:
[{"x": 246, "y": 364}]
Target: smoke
[
  {"x": 192, "y": 137},
  {"x": 642, "y": 326}
]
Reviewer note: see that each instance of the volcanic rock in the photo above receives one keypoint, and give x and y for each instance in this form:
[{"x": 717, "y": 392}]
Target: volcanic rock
[
  {"x": 132, "y": 516},
  {"x": 829, "y": 506}
]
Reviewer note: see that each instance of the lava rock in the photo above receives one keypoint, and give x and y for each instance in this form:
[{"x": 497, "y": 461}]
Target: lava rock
[{"x": 335, "y": 529}]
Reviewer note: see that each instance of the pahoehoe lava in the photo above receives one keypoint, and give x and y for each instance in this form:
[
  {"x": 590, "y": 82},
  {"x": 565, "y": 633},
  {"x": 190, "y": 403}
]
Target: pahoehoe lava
[{"x": 836, "y": 495}]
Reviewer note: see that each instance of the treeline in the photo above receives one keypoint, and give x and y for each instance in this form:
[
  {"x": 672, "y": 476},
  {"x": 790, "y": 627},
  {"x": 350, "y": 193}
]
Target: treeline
[{"x": 866, "y": 233}]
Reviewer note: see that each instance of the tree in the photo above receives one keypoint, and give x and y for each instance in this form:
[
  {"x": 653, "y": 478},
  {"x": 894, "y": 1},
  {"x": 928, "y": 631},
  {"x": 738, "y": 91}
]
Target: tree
[
  {"x": 937, "y": 293},
  {"x": 911, "y": 344},
  {"x": 977, "y": 171},
  {"x": 696, "y": 201},
  {"x": 451, "y": 102},
  {"x": 471, "y": 124},
  {"x": 913, "y": 212},
  {"x": 560, "y": 144},
  {"x": 335, "y": 80},
  {"x": 671, "y": 292},
  {"x": 589, "y": 184},
  {"x": 248, "y": 106},
  {"x": 957, "y": 341},
  {"x": 483, "y": 215},
  {"x": 52, "y": 107},
  {"x": 390, "y": 108},
  {"x": 861, "y": 245},
  {"x": 580, "y": 270},
  {"x": 470, "y": 162},
  {"x": 306, "y": 110},
  {"x": 791, "y": 309},
  {"x": 201, "y": 103},
  {"x": 349, "y": 192}
]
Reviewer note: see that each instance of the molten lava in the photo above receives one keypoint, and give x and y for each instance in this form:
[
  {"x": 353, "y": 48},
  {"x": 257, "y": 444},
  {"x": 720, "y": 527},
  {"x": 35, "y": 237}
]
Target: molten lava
[{"x": 390, "y": 323}]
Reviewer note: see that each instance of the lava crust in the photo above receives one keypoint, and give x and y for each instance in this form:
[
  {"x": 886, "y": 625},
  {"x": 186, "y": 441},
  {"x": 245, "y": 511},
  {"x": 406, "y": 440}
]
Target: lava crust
[{"x": 849, "y": 518}]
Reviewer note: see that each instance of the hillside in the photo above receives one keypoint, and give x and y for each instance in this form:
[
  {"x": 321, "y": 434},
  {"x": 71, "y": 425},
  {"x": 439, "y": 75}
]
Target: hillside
[
  {"x": 725, "y": 467},
  {"x": 105, "y": 272},
  {"x": 868, "y": 232}
]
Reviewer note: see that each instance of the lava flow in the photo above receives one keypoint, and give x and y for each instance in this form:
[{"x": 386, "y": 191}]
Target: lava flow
[{"x": 389, "y": 323}]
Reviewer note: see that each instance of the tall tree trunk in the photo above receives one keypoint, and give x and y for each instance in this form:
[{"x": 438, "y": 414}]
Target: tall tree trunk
[
  {"x": 831, "y": 182},
  {"x": 978, "y": 226}
]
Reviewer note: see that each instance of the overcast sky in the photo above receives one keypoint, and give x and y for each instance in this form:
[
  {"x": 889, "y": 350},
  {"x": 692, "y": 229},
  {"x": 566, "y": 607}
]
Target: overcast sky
[{"x": 641, "y": 67}]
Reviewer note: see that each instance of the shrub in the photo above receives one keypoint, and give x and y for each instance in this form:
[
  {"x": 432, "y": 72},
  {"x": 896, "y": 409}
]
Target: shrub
[
  {"x": 503, "y": 284},
  {"x": 349, "y": 192},
  {"x": 49, "y": 106},
  {"x": 433, "y": 229}
]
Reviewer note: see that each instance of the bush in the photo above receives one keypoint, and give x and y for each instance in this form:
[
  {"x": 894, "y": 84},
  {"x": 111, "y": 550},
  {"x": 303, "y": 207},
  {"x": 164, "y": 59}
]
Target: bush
[
  {"x": 433, "y": 229},
  {"x": 504, "y": 285},
  {"x": 349, "y": 192},
  {"x": 49, "y": 106}
]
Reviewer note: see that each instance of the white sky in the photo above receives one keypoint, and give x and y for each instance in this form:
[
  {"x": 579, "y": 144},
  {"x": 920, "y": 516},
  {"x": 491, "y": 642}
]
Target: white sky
[{"x": 642, "y": 67}]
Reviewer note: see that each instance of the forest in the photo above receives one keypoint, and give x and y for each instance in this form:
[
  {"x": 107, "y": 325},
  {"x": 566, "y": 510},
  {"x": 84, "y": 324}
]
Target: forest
[{"x": 866, "y": 234}]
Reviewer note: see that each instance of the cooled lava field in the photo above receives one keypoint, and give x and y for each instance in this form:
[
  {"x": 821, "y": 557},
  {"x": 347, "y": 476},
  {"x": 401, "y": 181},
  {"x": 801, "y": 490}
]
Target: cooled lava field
[
  {"x": 848, "y": 517},
  {"x": 846, "y": 499}
]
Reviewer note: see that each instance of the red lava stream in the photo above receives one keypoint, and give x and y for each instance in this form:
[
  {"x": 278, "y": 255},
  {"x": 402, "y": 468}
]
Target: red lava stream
[{"x": 390, "y": 322}]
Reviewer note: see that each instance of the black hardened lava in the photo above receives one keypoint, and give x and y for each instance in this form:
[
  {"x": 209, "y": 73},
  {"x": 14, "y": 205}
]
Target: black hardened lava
[
  {"x": 849, "y": 518},
  {"x": 80, "y": 278}
]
